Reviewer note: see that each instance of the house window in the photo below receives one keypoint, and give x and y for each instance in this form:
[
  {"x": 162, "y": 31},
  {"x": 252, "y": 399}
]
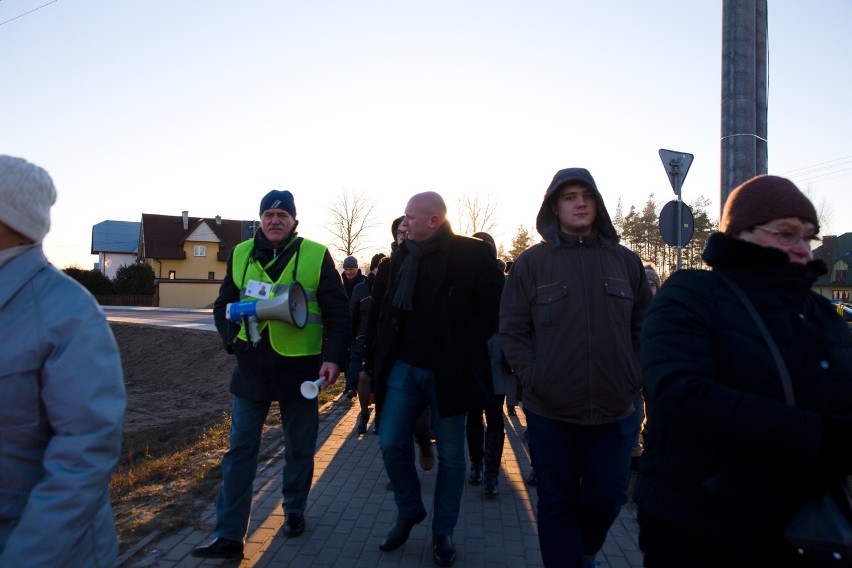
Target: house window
[
  {"x": 200, "y": 250},
  {"x": 172, "y": 274},
  {"x": 839, "y": 271},
  {"x": 211, "y": 276}
]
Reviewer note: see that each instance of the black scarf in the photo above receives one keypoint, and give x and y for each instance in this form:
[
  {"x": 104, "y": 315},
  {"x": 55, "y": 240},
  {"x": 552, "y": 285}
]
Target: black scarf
[{"x": 407, "y": 278}]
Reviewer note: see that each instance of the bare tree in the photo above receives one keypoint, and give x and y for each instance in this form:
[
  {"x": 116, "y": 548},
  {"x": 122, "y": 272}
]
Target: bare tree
[
  {"x": 350, "y": 217},
  {"x": 825, "y": 213},
  {"x": 476, "y": 216}
]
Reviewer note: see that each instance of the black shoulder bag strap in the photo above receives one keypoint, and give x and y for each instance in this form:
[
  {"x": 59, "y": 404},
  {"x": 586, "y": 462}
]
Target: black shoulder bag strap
[{"x": 773, "y": 347}]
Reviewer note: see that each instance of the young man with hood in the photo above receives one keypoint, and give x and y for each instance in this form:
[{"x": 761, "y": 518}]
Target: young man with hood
[
  {"x": 570, "y": 318},
  {"x": 274, "y": 368}
]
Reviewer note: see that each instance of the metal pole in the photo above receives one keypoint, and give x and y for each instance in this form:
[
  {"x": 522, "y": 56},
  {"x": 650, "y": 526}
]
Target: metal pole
[{"x": 678, "y": 182}]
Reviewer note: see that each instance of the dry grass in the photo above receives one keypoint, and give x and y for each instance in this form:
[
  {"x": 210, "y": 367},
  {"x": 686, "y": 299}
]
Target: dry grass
[{"x": 165, "y": 489}]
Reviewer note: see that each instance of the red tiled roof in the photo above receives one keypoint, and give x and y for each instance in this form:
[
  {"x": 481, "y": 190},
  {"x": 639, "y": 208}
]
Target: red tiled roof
[{"x": 163, "y": 236}]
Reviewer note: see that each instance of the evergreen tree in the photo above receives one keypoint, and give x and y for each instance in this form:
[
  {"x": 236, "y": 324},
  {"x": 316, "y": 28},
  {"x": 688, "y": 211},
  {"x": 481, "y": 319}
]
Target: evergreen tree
[
  {"x": 92, "y": 280},
  {"x": 134, "y": 279},
  {"x": 618, "y": 220},
  {"x": 522, "y": 241}
]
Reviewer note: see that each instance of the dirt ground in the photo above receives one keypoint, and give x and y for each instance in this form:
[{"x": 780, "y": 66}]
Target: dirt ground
[{"x": 177, "y": 385}]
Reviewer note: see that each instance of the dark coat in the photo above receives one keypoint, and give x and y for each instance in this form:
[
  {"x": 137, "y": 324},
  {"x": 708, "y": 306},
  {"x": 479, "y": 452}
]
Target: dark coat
[
  {"x": 725, "y": 458},
  {"x": 464, "y": 294},
  {"x": 260, "y": 372},
  {"x": 349, "y": 285},
  {"x": 359, "y": 309}
]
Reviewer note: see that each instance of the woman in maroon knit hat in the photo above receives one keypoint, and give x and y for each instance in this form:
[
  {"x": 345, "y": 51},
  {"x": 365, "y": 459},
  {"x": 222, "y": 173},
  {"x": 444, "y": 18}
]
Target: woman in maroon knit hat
[{"x": 727, "y": 459}]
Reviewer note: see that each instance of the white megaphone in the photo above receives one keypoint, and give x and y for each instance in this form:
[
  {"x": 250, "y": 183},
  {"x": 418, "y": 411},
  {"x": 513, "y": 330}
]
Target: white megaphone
[
  {"x": 290, "y": 306},
  {"x": 310, "y": 389}
]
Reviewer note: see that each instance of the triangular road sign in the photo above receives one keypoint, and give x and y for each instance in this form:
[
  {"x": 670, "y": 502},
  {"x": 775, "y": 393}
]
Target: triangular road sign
[{"x": 677, "y": 165}]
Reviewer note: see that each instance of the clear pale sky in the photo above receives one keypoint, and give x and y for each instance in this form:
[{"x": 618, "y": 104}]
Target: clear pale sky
[{"x": 163, "y": 106}]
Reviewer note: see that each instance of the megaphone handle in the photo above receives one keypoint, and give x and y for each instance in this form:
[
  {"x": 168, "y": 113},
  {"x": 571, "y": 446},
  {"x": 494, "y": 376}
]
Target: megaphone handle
[{"x": 253, "y": 332}]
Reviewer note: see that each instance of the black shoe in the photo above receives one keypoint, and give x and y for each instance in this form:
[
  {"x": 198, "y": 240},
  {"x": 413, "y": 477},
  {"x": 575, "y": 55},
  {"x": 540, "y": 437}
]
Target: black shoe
[
  {"x": 532, "y": 478},
  {"x": 220, "y": 548},
  {"x": 400, "y": 530},
  {"x": 294, "y": 525},
  {"x": 350, "y": 393},
  {"x": 363, "y": 417},
  {"x": 376, "y": 424},
  {"x": 490, "y": 487},
  {"x": 475, "y": 477},
  {"x": 443, "y": 550}
]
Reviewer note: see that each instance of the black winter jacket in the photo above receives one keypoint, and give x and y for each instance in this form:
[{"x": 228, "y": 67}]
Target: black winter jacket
[
  {"x": 725, "y": 458},
  {"x": 260, "y": 372},
  {"x": 461, "y": 313}
]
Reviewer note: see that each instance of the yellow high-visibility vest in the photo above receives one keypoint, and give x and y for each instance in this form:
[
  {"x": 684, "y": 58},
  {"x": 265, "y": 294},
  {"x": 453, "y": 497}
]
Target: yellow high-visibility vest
[{"x": 304, "y": 266}]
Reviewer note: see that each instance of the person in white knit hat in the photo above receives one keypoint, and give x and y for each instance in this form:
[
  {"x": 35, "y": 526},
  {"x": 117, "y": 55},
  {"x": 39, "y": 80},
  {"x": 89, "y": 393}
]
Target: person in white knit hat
[{"x": 62, "y": 393}]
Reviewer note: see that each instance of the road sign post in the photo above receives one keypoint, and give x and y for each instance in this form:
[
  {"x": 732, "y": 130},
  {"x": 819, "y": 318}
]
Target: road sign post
[{"x": 677, "y": 165}]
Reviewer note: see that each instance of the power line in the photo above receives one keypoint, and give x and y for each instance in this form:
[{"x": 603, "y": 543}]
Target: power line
[
  {"x": 30, "y": 12},
  {"x": 820, "y": 166},
  {"x": 832, "y": 169}
]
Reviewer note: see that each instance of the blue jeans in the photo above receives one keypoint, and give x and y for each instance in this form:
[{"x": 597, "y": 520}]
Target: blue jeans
[
  {"x": 356, "y": 357},
  {"x": 409, "y": 390},
  {"x": 574, "y": 517},
  {"x": 300, "y": 422}
]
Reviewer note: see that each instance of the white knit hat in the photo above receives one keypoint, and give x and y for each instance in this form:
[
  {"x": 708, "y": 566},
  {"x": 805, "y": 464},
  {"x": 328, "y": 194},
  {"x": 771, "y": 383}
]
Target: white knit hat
[{"x": 26, "y": 194}]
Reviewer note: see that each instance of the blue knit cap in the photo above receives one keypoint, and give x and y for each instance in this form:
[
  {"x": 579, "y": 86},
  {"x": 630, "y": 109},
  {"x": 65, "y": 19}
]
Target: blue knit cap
[{"x": 278, "y": 200}]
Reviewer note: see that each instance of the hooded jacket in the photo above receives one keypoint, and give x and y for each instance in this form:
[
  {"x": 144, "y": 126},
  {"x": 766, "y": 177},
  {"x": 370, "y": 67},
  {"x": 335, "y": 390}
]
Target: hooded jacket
[
  {"x": 62, "y": 402},
  {"x": 571, "y": 314}
]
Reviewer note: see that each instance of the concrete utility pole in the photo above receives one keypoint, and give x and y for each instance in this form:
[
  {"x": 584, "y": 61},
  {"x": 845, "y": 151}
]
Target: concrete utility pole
[{"x": 744, "y": 136}]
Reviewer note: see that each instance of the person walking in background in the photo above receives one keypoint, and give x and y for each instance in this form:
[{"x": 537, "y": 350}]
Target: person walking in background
[
  {"x": 727, "y": 459},
  {"x": 439, "y": 310},
  {"x": 653, "y": 277},
  {"x": 359, "y": 309},
  {"x": 380, "y": 286},
  {"x": 485, "y": 444},
  {"x": 570, "y": 318},
  {"x": 62, "y": 393},
  {"x": 638, "y": 448},
  {"x": 352, "y": 277},
  {"x": 274, "y": 368}
]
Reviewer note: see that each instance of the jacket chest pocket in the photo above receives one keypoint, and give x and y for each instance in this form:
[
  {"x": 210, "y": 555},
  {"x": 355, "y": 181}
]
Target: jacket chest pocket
[
  {"x": 619, "y": 300},
  {"x": 549, "y": 307},
  {"x": 19, "y": 392}
]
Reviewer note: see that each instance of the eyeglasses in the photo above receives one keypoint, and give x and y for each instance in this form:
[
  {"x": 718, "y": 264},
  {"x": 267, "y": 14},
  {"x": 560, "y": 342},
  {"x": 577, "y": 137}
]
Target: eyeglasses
[{"x": 789, "y": 238}]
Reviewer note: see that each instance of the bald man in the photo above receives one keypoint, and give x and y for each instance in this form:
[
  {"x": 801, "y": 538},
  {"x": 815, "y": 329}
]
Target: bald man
[{"x": 438, "y": 311}]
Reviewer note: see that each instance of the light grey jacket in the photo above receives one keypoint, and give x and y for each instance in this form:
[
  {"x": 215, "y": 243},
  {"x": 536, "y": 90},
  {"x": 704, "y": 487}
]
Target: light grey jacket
[{"x": 62, "y": 403}]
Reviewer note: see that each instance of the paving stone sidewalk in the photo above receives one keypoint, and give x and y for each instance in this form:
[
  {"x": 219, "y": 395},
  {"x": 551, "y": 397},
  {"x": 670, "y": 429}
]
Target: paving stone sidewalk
[{"x": 349, "y": 512}]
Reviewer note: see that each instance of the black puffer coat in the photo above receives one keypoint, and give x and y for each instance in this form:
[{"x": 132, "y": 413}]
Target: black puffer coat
[{"x": 726, "y": 458}]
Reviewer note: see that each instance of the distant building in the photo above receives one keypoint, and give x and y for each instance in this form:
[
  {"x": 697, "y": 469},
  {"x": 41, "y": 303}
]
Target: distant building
[
  {"x": 837, "y": 254},
  {"x": 189, "y": 255},
  {"x": 116, "y": 243}
]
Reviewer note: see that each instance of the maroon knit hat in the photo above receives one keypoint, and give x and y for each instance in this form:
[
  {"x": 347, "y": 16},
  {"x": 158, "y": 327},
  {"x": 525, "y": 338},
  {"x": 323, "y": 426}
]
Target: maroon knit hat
[{"x": 762, "y": 199}]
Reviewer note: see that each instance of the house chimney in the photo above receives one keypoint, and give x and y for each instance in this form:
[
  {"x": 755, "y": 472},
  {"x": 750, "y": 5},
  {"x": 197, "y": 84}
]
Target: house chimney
[
  {"x": 218, "y": 219},
  {"x": 186, "y": 220}
]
